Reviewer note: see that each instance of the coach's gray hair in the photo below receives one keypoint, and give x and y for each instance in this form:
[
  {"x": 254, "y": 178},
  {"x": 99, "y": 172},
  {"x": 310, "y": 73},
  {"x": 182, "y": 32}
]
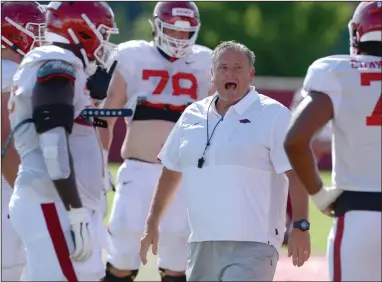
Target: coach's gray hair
[{"x": 232, "y": 45}]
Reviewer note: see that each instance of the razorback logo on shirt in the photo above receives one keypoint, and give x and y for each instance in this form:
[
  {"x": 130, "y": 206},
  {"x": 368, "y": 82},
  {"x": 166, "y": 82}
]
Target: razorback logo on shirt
[{"x": 245, "y": 120}]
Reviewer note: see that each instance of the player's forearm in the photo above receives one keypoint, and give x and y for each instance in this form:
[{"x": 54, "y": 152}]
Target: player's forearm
[
  {"x": 299, "y": 197},
  {"x": 67, "y": 189},
  {"x": 165, "y": 191},
  {"x": 303, "y": 163},
  {"x": 10, "y": 165},
  {"x": 106, "y": 134},
  {"x": 116, "y": 98}
]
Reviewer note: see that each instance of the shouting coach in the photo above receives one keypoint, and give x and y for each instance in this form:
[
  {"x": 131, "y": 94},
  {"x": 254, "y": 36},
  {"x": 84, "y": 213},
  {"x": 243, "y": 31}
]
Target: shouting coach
[{"x": 227, "y": 151}]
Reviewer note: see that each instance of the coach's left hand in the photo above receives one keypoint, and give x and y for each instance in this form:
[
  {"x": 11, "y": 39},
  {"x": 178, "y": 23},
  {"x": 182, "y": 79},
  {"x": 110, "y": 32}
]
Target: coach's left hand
[
  {"x": 299, "y": 246},
  {"x": 149, "y": 237}
]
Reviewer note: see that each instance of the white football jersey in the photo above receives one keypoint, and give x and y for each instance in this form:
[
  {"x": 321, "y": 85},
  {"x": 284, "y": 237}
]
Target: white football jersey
[
  {"x": 8, "y": 69},
  {"x": 148, "y": 74},
  {"x": 353, "y": 83},
  {"x": 83, "y": 142}
]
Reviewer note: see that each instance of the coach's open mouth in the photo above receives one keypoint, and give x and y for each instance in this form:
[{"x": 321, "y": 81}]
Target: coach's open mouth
[{"x": 230, "y": 85}]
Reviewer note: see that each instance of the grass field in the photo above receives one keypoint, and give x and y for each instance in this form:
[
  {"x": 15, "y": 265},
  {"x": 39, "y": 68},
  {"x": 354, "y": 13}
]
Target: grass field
[{"x": 320, "y": 226}]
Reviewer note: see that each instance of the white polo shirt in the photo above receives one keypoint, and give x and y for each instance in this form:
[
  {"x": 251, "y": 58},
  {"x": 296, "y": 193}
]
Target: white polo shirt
[{"x": 229, "y": 198}]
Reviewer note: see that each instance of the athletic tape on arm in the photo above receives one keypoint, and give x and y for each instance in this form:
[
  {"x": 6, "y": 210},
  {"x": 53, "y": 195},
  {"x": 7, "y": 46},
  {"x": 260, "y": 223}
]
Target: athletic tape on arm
[{"x": 54, "y": 147}]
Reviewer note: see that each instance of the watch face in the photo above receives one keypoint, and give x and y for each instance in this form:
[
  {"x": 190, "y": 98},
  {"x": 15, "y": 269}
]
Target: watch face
[{"x": 304, "y": 225}]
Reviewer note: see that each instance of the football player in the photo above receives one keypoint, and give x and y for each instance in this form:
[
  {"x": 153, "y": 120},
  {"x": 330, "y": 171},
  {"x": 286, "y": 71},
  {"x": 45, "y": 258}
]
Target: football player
[
  {"x": 347, "y": 90},
  {"x": 22, "y": 25},
  {"x": 159, "y": 79},
  {"x": 55, "y": 207}
]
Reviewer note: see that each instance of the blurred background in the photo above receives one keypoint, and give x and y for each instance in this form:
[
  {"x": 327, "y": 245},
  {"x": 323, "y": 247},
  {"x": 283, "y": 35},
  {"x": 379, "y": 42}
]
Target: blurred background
[{"x": 285, "y": 36}]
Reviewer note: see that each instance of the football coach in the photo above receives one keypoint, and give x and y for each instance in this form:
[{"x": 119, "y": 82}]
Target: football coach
[{"x": 226, "y": 153}]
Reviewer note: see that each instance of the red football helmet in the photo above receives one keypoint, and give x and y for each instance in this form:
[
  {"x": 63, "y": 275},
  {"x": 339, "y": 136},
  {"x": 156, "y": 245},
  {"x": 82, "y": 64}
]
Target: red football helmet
[
  {"x": 366, "y": 25},
  {"x": 86, "y": 26},
  {"x": 180, "y": 16},
  {"x": 22, "y": 25}
]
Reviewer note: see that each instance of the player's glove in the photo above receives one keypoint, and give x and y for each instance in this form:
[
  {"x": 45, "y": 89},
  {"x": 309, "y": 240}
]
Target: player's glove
[
  {"x": 107, "y": 177},
  {"x": 325, "y": 198},
  {"x": 79, "y": 227},
  {"x": 98, "y": 83}
]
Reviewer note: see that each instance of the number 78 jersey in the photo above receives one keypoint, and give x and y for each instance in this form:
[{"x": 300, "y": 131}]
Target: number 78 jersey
[
  {"x": 148, "y": 74},
  {"x": 353, "y": 84}
]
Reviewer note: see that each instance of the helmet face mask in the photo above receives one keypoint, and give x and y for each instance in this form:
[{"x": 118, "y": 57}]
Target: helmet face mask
[
  {"x": 181, "y": 17},
  {"x": 175, "y": 47},
  {"x": 23, "y": 26},
  {"x": 105, "y": 53},
  {"x": 38, "y": 30}
]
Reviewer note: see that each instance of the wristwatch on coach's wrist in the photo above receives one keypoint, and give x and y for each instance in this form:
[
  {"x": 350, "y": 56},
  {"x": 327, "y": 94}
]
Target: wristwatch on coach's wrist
[{"x": 302, "y": 224}]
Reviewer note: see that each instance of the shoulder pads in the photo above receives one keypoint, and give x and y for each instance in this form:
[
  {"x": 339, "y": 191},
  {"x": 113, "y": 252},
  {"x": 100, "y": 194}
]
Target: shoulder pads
[{"x": 56, "y": 68}]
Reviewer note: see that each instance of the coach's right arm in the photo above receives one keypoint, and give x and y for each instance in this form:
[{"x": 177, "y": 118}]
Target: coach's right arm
[
  {"x": 170, "y": 177},
  {"x": 168, "y": 184}
]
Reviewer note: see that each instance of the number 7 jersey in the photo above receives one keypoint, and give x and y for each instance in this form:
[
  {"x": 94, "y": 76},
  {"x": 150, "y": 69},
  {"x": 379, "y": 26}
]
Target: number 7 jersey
[
  {"x": 353, "y": 84},
  {"x": 151, "y": 76}
]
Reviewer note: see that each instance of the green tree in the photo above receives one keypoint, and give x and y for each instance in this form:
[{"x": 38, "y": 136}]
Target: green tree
[
  {"x": 124, "y": 19},
  {"x": 285, "y": 36}
]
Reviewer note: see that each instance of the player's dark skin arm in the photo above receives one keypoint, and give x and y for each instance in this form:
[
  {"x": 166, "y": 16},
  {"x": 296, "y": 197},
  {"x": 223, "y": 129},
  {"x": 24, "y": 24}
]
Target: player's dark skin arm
[
  {"x": 311, "y": 115},
  {"x": 59, "y": 91},
  {"x": 10, "y": 161}
]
